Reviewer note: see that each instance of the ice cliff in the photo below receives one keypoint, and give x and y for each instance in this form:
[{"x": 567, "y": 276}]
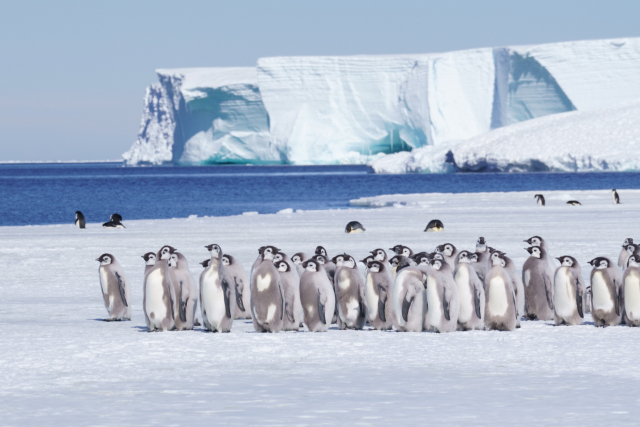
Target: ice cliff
[{"x": 322, "y": 110}]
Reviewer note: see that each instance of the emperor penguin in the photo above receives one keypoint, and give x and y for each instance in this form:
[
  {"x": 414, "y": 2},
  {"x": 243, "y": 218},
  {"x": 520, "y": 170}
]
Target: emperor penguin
[
  {"x": 409, "y": 299},
  {"x": 538, "y": 285},
  {"x": 217, "y": 294},
  {"x": 569, "y": 296},
  {"x": 574, "y": 203},
  {"x": 622, "y": 258},
  {"x": 435, "y": 225},
  {"x": 241, "y": 283},
  {"x": 422, "y": 258},
  {"x": 443, "y": 301},
  {"x": 540, "y": 199},
  {"x": 616, "y": 198},
  {"x": 483, "y": 263},
  {"x": 377, "y": 293},
  {"x": 328, "y": 266},
  {"x": 632, "y": 249},
  {"x": 398, "y": 262},
  {"x": 500, "y": 309},
  {"x": 80, "y": 222},
  {"x": 317, "y": 297},
  {"x": 449, "y": 252},
  {"x": 366, "y": 261},
  {"x": 186, "y": 302},
  {"x": 159, "y": 296},
  {"x": 518, "y": 286},
  {"x": 267, "y": 295},
  {"x": 607, "y": 297},
  {"x": 631, "y": 283},
  {"x": 354, "y": 227},
  {"x": 402, "y": 250},
  {"x": 149, "y": 261},
  {"x": 539, "y": 241},
  {"x": 349, "y": 290},
  {"x": 297, "y": 260},
  {"x": 381, "y": 256},
  {"x": 293, "y": 313},
  {"x": 165, "y": 252},
  {"x": 116, "y": 291},
  {"x": 114, "y": 222},
  {"x": 267, "y": 252},
  {"x": 470, "y": 292}
]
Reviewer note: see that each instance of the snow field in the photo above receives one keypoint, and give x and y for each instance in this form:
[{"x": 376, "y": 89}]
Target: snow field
[{"x": 60, "y": 365}]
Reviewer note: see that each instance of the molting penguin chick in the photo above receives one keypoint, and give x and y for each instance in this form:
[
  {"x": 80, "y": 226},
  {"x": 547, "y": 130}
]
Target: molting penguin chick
[
  {"x": 241, "y": 284},
  {"x": 354, "y": 227},
  {"x": 293, "y": 314},
  {"x": 622, "y": 258},
  {"x": 449, "y": 252},
  {"x": 329, "y": 266},
  {"x": 217, "y": 294},
  {"x": 540, "y": 199},
  {"x": 409, "y": 300},
  {"x": 470, "y": 292},
  {"x": 115, "y": 288},
  {"x": 631, "y": 283},
  {"x": 516, "y": 281},
  {"x": 402, "y": 250},
  {"x": 149, "y": 261},
  {"x": 443, "y": 301},
  {"x": 264, "y": 252},
  {"x": 349, "y": 291},
  {"x": 435, "y": 225},
  {"x": 186, "y": 302},
  {"x": 317, "y": 297},
  {"x": 377, "y": 292},
  {"x": 569, "y": 296},
  {"x": 159, "y": 295},
  {"x": 267, "y": 295},
  {"x": 80, "y": 222},
  {"x": 399, "y": 262},
  {"x": 500, "y": 308},
  {"x": 537, "y": 277},
  {"x": 607, "y": 297},
  {"x": 615, "y": 197}
]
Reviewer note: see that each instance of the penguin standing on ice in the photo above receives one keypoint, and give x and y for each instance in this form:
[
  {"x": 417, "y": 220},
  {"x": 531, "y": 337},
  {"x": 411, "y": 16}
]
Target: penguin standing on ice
[
  {"x": 217, "y": 294},
  {"x": 516, "y": 281},
  {"x": 540, "y": 199},
  {"x": 241, "y": 283},
  {"x": 186, "y": 302},
  {"x": 569, "y": 296},
  {"x": 293, "y": 313},
  {"x": 115, "y": 288},
  {"x": 159, "y": 296},
  {"x": 80, "y": 222},
  {"x": 349, "y": 290},
  {"x": 377, "y": 292},
  {"x": 114, "y": 222},
  {"x": 483, "y": 263},
  {"x": 267, "y": 295},
  {"x": 622, "y": 258},
  {"x": 317, "y": 297},
  {"x": 616, "y": 198},
  {"x": 500, "y": 308},
  {"x": 354, "y": 227},
  {"x": 409, "y": 300},
  {"x": 470, "y": 292},
  {"x": 537, "y": 277},
  {"x": 607, "y": 297},
  {"x": 631, "y": 283},
  {"x": 443, "y": 301}
]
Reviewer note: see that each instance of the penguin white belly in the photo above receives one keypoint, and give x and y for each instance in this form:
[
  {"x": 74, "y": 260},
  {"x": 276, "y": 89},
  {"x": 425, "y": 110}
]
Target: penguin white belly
[
  {"x": 154, "y": 301},
  {"x": 527, "y": 277},
  {"x": 357, "y": 230},
  {"x": 601, "y": 297},
  {"x": 263, "y": 282},
  {"x": 398, "y": 290},
  {"x": 464, "y": 291},
  {"x": 344, "y": 283},
  {"x": 372, "y": 299},
  {"x": 104, "y": 280},
  {"x": 352, "y": 310},
  {"x": 563, "y": 299},
  {"x": 213, "y": 298},
  {"x": 498, "y": 302},
  {"x": 271, "y": 313},
  {"x": 433, "y": 300},
  {"x": 632, "y": 296}
]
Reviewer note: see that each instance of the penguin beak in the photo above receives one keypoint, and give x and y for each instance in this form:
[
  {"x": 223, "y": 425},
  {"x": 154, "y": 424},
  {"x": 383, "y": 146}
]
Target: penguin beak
[{"x": 98, "y": 259}]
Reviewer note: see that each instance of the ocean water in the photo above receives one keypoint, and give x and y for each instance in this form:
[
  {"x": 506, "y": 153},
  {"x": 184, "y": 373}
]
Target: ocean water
[{"x": 32, "y": 194}]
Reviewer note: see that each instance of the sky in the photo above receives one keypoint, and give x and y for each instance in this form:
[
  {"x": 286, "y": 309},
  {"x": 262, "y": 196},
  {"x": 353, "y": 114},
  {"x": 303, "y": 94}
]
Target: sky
[{"x": 73, "y": 73}]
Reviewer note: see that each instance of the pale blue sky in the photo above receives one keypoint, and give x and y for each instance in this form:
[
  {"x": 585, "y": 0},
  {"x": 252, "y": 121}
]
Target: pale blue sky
[{"x": 73, "y": 73}]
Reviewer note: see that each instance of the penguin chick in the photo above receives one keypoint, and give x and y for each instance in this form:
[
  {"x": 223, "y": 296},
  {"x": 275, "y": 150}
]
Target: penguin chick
[
  {"x": 449, "y": 252},
  {"x": 483, "y": 262},
  {"x": 607, "y": 297},
  {"x": 622, "y": 258},
  {"x": 443, "y": 301},
  {"x": 149, "y": 261},
  {"x": 241, "y": 283},
  {"x": 267, "y": 295},
  {"x": 115, "y": 287},
  {"x": 398, "y": 262},
  {"x": 631, "y": 283},
  {"x": 293, "y": 313},
  {"x": 377, "y": 292},
  {"x": 518, "y": 286},
  {"x": 186, "y": 302},
  {"x": 500, "y": 307},
  {"x": 158, "y": 297},
  {"x": 409, "y": 300},
  {"x": 402, "y": 250},
  {"x": 470, "y": 292},
  {"x": 538, "y": 285},
  {"x": 349, "y": 291},
  {"x": 217, "y": 294},
  {"x": 569, "y": 296},
  {"x": 317, "y": 297},
  {"x": 298, "y": 259}
]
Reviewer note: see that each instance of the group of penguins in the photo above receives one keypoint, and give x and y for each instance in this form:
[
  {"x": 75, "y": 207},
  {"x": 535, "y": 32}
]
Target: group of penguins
[
  {"x": 541, "y": 200},
  {"x": 115, "y": 221},
  {"x": 442, "y": 291}
]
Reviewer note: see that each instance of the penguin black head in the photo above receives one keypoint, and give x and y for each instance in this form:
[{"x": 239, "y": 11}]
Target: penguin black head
[
  {"x": 397, "y": 249},
  {"x": 535, "y": 251},
  {"x": 105, "y": 259},
  {"x": 320, "y": 259},
  {"x": 269, "y": 252},
  {"x": 349, "y": 261},
  {"x": 447, "y": 249},
  {"x": 339, "y": 258},
  {"x": 227, "y": 259},
  {"x": 321, "y": 251},
  {"x": 567, "y": 261},
  {"x": 279, "y": 256},
  {"x": 354, "y": 227},
  {"x": 79, "y": 214},
  {"x": 631, "y": 248},
  {"x": 149, "y": 258},
  {"x": 395, "y": 260},
  {"x": 310, "y": 265},
  {"x": 599, "y": 263},
  {"x": 634, "y": 261},
  {"x": 379, "y": 254},
  {"x": 473, "y": 257},
  {"x": 534, "y": 241},
  {"x": 205, "y": 263},
  {"x": 282, "y": 266},
  {"x": 437, "y": 255},
  {"x": 298, "y": 258},
  {"x": 481, "y": 241},
  {"x": 115, "y": 218},
  {"x": 464, "y": 256},
  {"x": 367, "y": 260},
  {"x": 166, "y": 251},
  {"x": 627, "y": 241},
  {"x": 376, "y": 267},
  {"x": 434, "y": 225}
]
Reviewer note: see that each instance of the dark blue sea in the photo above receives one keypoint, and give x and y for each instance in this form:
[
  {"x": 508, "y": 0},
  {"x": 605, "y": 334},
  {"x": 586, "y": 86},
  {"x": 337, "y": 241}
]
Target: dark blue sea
[{"x": 51, "y": 193}]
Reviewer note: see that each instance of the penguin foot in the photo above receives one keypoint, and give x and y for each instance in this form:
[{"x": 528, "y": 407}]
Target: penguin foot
[{"x": 196, "y": 323}]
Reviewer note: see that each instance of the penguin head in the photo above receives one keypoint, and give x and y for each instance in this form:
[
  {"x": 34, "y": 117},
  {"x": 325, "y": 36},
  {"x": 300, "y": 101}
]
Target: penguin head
[
  {"x": 463, "y": 256},
  {"x": 567, "y": 261},
  {"x": 338, "y": 260},
  {"x": 279, "y": 256},
  {"x": 376, "y": 267},
  {"x": 631, "y": 248},
  {"x": 379, "y": 254},
  {"x": 634, "y": 261},
  {"x": 397, "y": 249},
  {"x": 227, "y": 259},
  {"x": 205, "y": 263},
  {"x": 260, "y": 249},
  {"x": 473, "y": 257},
  {"x": 215, "y": 250},
  {"x": 320, "y": 259},
  {"x": 321, "y": 251},
  {"x": 395, "y": 260},
  {"x": 149, "y": 258},
  {"x": 166, "y": 251},
  {"x": 173, "y": 260},
  {"x": 282, "y": 266},
  {"x": 297, "y": 258},
  {"x": 310, "y": 265},
  {"x": 437, "y": 264},
  {"x": 367, "y": 260},
  {"x": 115, "y": 218},
  {"x": 481, "y": 241},
  {"x": 627, "y": 241},
  {"x": 269, "y": 252},
  {"x": 600, "y": 263},
  {"x": 406, "y": 251},
  {"x": 105, "y": 259},
  {"x": 535, "y": 251},
  {"x": 497, "y": 258},
  {"x": 422, "y": 258},
  {"x": 534, "y": 241},
  {"x": 349, "y": 261}
]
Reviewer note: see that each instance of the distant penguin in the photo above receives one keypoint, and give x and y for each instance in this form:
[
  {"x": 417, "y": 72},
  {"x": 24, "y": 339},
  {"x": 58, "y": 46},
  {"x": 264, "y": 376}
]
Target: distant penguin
[
  {"x": 470, "y": 293},
  {"x": 537, "y": 277},
  {"x": 435, "y": 225},
  {"x": 349, "y": 291},
  {"x": 116, "y": 291},
  {"x": 616, "y": 198},
  {"x": 574, "y": 203},
  {"x": 293, "y": 313},
  {"x": 631, "y": 283},
  {"x": 622, "y": 258},
  {"x": 449, "y": 252},
  {"x": 149, "y": 261},
  {"x": 377, "y": 292},
  {"x": 409, "y": 299},
  {"x": 354, "y": 227},
  {"x": 217, "y": 294},
  {"x": 267, "y": 295},
  {"x": 241, "y": 283},
  {"x": 186, "y": 302},
  {"x": 298, "y": 259},
  {"x": 540, "y": 199},
  {"x": 443, "y": 301},
  {"x": 607, "y": 297},
  {"x": 317, "y": 297},
  {"x": 569, "y": 296},
  {"x": 500, "y": 307},
  {"x": 114, "y": 222},
  {"x": 158, "y": 297},
  {"x": 80, "y": 222},
  {"x": 483, "y": 263}
]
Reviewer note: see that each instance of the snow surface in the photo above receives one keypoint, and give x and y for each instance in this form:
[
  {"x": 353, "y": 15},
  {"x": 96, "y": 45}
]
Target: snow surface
[
  {"x": 352, "y": 109},
  {"x": 578, "y": 141},
  {"x": 60, "y": 365}
]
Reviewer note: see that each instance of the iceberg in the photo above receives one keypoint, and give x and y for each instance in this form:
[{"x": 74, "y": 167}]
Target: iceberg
[{"x": 359, "y": 109}]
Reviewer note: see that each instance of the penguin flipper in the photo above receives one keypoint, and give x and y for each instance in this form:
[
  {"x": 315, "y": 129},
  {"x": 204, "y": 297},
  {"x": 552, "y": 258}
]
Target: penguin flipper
[
  {"x": 239, "y": 289},
  {"x": 445, "y": 305},
  {"x": 226, "y": 291},
  {"x": 547, "y": 290},
  {"x": 617, "y": 295},
  {"x": 321, "y": 315},
  {"x": 121, "y": 286},
  {"x": 579, "y": 298},
  {"x": 382, "y": 300},
  {"x": 361, "y": 307},
  {"x": 182, "y": 305},
  {"x": 289, "y": 312},
  {"x": 406, "y": 306},
  {"x": 476, "y": 301}
]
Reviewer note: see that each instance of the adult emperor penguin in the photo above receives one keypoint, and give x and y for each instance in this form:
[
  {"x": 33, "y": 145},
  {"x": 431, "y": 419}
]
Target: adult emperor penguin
[
  {"x": 470, "y": 292},
  {"x": 317, "y": 297},
  {"x": 80, "y": 222},
  {"x": 607, "y": 297},
  {"x": 569, "y": 296},
  {"x": 354, "y": 227},
  {"x": 115, "y": 287},
  {"x": 149, "y": 261},
  {"x": 483, "y": 263},
  {"x": 574, "y": 203},
  {"x": 114, "y": 222},
  {"x": 186, "y": 302},
  {"x": 540, "y": 199},
  {"x": 267, "y": 295},
  {"x": 349, "y": 290},
  {"x": 622, "y": 258},
  {"x": 616, "y": 198},
  {"x": 297, "y": 260},
  {"x": 538, "y": 285},
  {"x": 241, "y": 283},
  {"x": 409, "y": 299},
  {"x": 377, "y": 293},
  {"x": 435, "y": 225},
  {"x": 293, "y": 313},
  {"x": 631, "y": 283},
  {"x": 158, "y": 298},
  {"x": 500, "y": 308},
  {"x": 443, "y": 301},
  {"x": 449, "y": 252},
  {"x": 217, "y": 294}
]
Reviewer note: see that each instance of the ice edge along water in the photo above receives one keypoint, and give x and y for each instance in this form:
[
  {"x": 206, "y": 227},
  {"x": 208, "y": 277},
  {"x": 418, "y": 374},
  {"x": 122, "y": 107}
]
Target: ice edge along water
[{"x": 332, "y": 110}]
